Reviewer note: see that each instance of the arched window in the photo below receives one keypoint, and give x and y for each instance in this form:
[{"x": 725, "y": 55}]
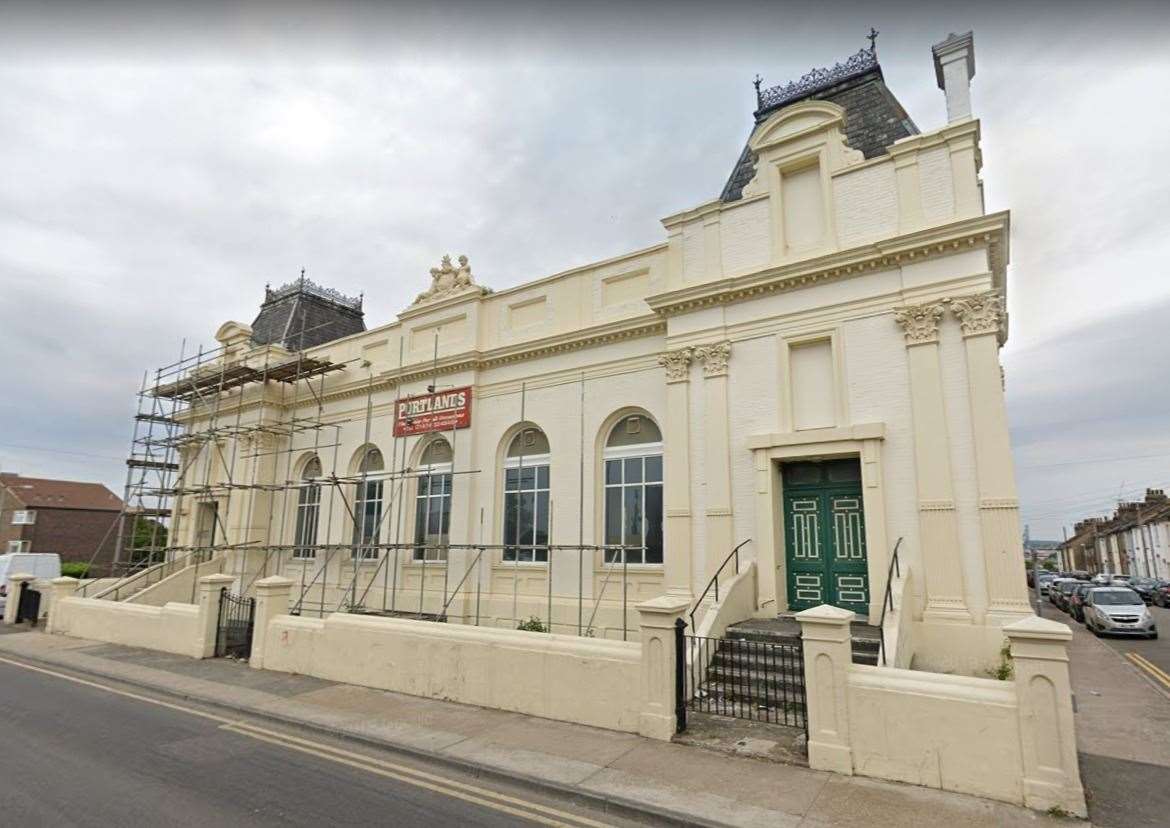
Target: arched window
[
  {"x": 633, "y": 491},
  {"x": 432, "y": 502},
  {"x": 526, "y": 497},
  {"x": 367, "y": 506},
  {"x": 308, "y": 510}
]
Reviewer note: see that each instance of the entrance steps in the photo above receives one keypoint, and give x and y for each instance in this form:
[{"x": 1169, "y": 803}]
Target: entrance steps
[{"x": 786, "y": 630}]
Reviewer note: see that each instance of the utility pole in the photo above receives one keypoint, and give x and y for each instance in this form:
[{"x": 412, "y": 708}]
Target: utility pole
[
  {"x": 1035, "y": 567},
  {"x": 1066, "y": 562}
]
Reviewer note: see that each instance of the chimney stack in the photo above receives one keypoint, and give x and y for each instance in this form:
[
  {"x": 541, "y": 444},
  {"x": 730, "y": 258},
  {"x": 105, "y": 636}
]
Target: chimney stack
[{"x": 954, "y": 66}]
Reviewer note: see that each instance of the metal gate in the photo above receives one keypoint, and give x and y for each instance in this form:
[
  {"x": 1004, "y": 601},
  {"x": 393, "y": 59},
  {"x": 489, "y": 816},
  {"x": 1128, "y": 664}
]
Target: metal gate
[
  {"x": 28, "y": 607},
  {"x": 757, "y": 680},
  {"x": 233, "y": 634}
]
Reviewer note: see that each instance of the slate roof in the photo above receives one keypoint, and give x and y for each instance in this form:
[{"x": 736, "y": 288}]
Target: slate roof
[
  {"x": 303, "y": 314},
  {"x": 874, "y": 118},
  {"x": 41, "y": 493}
]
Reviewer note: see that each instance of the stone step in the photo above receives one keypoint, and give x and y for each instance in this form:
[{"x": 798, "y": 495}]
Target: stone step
[
  {"x": 731, "y": 703},
  {"x": 760, "y": 685}
]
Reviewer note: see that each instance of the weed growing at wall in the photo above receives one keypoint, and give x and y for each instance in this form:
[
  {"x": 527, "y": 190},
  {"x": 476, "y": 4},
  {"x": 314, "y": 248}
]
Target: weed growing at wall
[
  {"x": 1006, "y": 669},
  {"x": 533, "y": 624}
]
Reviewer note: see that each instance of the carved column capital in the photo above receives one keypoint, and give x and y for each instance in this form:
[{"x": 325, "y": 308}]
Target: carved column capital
[
  {"x": 920, "y": 322},
  {"x": 983, "y": 313},
  {"x": 714, "y": 358},
  {"x": 677, "y": 364}
]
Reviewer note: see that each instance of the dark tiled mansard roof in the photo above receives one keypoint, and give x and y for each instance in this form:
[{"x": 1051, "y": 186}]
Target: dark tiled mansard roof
[
  {"x": 303, "y": 314},
  {"x": 873, "y": 117}
]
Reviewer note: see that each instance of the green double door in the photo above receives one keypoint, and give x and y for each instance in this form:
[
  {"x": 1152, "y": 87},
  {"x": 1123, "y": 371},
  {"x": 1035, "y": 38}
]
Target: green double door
[{"x": 824, "y": 535}]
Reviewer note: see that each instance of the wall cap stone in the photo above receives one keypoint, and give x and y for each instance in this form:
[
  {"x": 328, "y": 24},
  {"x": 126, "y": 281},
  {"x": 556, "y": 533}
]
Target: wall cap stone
[
  {"x": 826, "y": 614},
  {"x": 663, "y": 605},
  {"x": 217, "y": 579},
  {"x": 1037, "y": 628},
  {"x": 21, "y": 576}
]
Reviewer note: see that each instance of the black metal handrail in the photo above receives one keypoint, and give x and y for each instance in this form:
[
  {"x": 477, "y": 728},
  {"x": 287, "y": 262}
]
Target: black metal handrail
[
  {"x": 715, "y": 579},
  {"x": 888, "y": 600}
]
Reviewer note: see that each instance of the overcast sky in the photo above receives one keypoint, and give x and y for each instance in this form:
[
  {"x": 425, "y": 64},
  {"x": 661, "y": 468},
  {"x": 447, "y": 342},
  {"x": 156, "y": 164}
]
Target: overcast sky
[{"x": 159, "y": 165}]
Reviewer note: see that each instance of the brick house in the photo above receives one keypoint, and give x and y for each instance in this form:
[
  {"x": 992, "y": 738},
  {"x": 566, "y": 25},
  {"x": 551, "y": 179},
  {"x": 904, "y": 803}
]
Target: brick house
[{"x": 68, "y": 517}]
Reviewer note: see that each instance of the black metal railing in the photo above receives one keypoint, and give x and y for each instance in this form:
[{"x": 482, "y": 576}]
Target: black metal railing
[
  {"x": 237, "y": 617},
  {"x": 893, "y": 571},
  {"x": 714, "y": 582},
  {"x": 761, "y": 681}
]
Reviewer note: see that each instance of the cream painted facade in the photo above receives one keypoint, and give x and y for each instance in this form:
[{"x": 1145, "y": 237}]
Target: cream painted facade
[{"x": 843, "y": 308}]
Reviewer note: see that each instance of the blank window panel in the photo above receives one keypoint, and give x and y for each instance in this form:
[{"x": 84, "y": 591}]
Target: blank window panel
[{"x": 814, "y": 389}]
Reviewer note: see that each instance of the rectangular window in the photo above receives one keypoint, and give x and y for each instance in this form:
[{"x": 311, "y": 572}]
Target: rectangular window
[
  {"x": 633, "y": 509},
  {"x": 19, "y": 546},
  {"x": 526, "y": 514},
  {"x": 308, "y": 513},
  {"x": 24, "y": 518},
  {"x": 367, "y": 512},
  {"x": 432, "y": 517}
]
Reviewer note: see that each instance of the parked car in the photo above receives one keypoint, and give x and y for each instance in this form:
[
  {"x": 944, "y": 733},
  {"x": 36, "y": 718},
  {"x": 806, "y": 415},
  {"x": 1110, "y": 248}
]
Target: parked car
[
  {"x": 39, "y": 564},
  {"x": 1046, "y": 580},
  {"x": 1144, "y": 587},
  {"x": 1120, "y": 611},
  {"x": 1162, "y": 594},
  {"x": 1076, "y": 601},
  {"x": 1064, "y": 591},
  {"x": 1054, "y": 588}
]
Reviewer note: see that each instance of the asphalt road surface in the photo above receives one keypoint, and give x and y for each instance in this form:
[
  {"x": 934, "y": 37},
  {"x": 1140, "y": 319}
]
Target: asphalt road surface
[
  {"x": 73, "y": 753},
  {"x": 1154, "y": 652}
]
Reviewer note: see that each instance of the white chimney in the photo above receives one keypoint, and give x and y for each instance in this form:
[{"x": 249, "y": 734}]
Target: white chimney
[{"x": 954, "y": 66}]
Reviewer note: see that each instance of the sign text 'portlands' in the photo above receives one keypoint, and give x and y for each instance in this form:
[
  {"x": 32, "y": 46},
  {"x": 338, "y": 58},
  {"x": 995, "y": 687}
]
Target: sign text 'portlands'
[{"x": 441, "y": 411}]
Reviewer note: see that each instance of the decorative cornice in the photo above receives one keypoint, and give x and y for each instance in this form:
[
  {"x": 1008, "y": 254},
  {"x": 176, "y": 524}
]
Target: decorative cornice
[
  {"x": 677, "y": 364},
  {"x": 714, "y": 358},
  {"x": 920, "y": 322},
  {"x": 983, "y": 313},
  {"x": 990, "y": 230}
]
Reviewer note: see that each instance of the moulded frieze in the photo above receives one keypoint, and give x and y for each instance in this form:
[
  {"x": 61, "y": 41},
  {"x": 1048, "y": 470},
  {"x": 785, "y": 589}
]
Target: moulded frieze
[
  {"x": 920, "y": 322},
  {"x": 677, "y": 364},
  {"x": 983, "y": 313},
  {"x": 714, "y": 358}
]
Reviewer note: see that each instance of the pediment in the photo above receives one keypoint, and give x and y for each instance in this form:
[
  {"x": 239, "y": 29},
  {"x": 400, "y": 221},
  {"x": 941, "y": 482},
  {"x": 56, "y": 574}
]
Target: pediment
[{"x": 797, "y": 120}]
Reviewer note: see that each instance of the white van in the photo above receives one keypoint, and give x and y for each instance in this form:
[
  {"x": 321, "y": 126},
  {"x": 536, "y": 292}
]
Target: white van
[{"x": 38, "y": 564}]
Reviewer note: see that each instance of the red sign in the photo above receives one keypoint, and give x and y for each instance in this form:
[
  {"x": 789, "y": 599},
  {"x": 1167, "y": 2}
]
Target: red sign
[{"x": 441, "y": 411}]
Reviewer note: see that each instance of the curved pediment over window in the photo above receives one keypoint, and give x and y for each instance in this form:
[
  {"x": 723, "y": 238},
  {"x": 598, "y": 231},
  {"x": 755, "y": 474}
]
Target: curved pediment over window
[{"x": 797, "y": 120}]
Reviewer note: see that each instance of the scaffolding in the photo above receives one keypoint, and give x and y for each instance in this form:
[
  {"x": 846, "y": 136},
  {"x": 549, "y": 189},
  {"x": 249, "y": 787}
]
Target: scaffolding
[{"x": 193, "y": 456}]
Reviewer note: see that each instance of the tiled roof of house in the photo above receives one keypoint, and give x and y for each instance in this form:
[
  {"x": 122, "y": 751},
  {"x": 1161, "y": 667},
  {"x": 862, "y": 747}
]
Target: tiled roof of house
[
  {"x": 303, "y": 314},
  {"x": 41, "y": 493},
  {"x": 873, "y": 117}
]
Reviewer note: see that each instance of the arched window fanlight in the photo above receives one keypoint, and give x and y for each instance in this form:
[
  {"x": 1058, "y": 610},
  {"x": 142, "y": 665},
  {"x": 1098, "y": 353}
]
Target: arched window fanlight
[
  {"x": 526, "y": 497},
  {"x": 308, "y": 510},
  {"x": 633, "y": 491}
]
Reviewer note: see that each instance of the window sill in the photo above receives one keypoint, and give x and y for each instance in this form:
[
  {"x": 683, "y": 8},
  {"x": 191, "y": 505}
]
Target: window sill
[
  {"x": 650, "y": 569},
  {"x": 508, "y": 566}
]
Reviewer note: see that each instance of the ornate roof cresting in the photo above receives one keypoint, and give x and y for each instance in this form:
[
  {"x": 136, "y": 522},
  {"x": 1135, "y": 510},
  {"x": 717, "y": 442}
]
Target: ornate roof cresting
[
  {"x": 920, "y": 322},
  {"x": 308, "y": 286},
  {"x": 449, "y": 280},
  {"x": 818, "y": 79}
]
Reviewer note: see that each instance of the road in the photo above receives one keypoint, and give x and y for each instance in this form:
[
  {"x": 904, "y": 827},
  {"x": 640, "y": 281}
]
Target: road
[
  {"x": 81, "y": 752},
  {"x": 1154, "y": 652}
]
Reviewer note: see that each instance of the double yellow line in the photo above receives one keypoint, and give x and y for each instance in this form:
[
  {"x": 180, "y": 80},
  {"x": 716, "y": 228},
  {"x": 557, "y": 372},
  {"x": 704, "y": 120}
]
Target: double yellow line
[
  {"x": 476, "y": 794},
  {"x": 1150, "y": 668}
]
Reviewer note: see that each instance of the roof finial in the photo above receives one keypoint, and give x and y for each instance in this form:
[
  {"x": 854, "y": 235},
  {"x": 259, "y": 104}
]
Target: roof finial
[
  {"x": 872, "y": 37},
  {"x": 756, "y": 83}
]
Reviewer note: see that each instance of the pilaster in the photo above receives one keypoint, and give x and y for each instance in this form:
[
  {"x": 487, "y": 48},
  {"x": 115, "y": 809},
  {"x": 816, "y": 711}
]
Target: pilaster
[
  {"x": 981, "y": 318},
  {"x": 936, "y": 501},
  {"x": 717, "y": 452},
  {"x": 677, "y": 561}
]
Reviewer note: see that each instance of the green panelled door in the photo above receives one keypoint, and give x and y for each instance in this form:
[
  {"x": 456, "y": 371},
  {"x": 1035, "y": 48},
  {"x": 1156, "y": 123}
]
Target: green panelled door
[{"x": 824, "y": 535}]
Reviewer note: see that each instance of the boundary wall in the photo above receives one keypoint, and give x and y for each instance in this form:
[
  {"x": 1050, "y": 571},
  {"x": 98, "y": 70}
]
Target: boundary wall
[{"x": 1009, "y": 740}]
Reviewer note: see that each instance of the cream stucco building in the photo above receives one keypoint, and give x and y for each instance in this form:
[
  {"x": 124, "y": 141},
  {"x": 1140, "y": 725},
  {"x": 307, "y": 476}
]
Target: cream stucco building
[{"x": 808, "y": 362}]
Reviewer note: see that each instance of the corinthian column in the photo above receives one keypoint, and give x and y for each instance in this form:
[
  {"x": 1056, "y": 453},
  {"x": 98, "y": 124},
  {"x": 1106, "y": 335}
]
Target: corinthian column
[
  {"x": 677, "y": 470},
  {"x": 716, "y": 452},
  {"x": 982, "y": 318},
  {"x": 932, "y": 459}
]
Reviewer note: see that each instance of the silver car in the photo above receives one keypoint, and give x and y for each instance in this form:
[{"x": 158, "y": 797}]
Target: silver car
[{"x": 1118, "y": 611}]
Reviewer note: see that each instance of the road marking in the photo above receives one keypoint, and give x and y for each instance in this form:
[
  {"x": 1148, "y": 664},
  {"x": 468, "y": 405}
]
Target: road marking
[
  {"x": 532, "y": 811},
  {"x": 1157, "y": 673},
  {"x": 447, "y": 787}
]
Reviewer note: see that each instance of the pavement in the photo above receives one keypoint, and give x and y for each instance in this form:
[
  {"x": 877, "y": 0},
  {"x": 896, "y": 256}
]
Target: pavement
[
  {"x": 1123, "y": 725},
  {"x": 623, "y": 776}
]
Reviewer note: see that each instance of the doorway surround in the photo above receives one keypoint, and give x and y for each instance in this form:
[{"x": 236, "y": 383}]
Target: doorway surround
[{"x": 862, "y": 441}]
